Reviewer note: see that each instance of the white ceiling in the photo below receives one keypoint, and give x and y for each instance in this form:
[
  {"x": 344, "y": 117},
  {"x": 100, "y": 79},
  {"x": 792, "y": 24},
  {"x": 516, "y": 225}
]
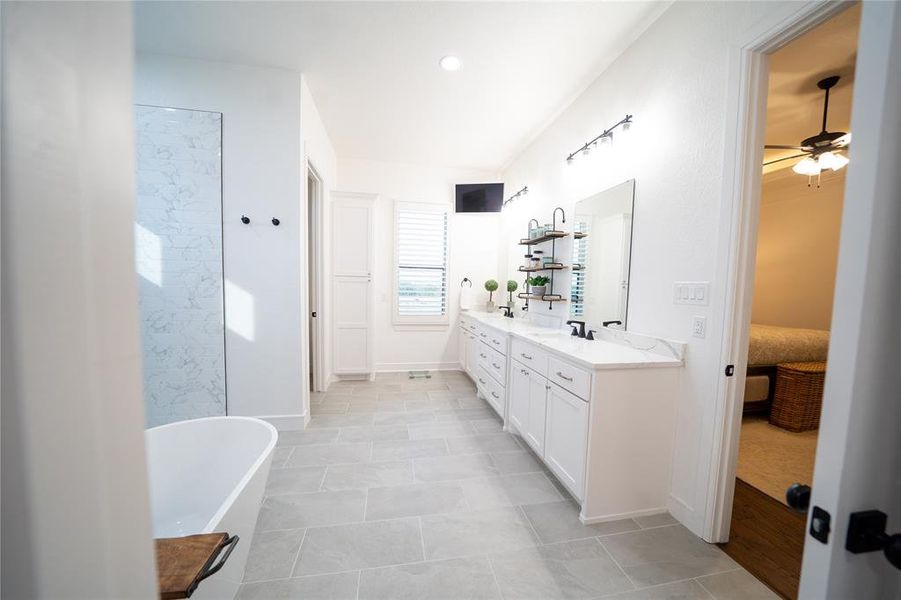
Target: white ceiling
[
  {"x": 372, "y": 67},
  {"x": 794, "y": 102}
]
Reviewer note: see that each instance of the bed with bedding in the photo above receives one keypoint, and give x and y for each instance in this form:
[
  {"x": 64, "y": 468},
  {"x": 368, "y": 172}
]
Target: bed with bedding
[{"x": 768, "y": 346}]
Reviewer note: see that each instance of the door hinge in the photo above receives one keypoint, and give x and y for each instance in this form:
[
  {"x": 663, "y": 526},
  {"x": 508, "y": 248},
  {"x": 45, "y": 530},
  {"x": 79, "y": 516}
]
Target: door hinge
[
  {"x": 314, "y": 314},
  {"x": 730, "y": 370}
]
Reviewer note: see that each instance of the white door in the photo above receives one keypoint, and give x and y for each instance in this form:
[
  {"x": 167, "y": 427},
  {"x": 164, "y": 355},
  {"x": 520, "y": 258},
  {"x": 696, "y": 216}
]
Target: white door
[
  {"x": 538, "y": 391},
  {"x": 352, "y": 283},
  {"x": 567, "y": 437},
  {"x": 519, "y": 398},
  {"x": 858, "y": 465}
]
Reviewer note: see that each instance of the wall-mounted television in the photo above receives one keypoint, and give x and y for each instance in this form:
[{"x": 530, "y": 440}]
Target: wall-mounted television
[{"x": 479, "y": 197}]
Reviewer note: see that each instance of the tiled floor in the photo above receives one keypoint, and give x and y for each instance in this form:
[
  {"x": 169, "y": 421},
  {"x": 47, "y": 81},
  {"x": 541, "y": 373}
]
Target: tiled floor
[{"x": 409, "y": 489}]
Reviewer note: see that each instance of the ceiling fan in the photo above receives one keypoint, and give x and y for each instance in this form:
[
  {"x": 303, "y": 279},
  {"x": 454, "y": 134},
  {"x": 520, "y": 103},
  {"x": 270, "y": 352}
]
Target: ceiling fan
[{"x": 820, "y": 151}]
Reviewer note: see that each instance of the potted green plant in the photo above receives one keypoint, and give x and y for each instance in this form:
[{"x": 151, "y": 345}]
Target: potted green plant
[
  {"x": 538, "y": 285},
  {"x": 491, "y": 286},
  {"x": 512, "y": 286}
]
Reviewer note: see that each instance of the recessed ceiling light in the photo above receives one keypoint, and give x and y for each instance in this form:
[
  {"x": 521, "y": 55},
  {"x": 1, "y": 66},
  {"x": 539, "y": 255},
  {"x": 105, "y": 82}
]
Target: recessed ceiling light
[{"x": 450, "y": 63}]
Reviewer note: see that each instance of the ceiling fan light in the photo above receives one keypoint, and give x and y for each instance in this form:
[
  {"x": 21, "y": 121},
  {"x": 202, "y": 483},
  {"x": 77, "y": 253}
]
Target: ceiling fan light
[
  {"x": 832, "y": 160},
  {"x": 809, "y": 166}
]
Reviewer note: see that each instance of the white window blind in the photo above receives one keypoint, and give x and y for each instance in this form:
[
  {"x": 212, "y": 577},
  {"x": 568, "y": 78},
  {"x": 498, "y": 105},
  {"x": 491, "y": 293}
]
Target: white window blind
[
  {"x": 580, "y": 261},
  {"x": 421, "y": 263}
]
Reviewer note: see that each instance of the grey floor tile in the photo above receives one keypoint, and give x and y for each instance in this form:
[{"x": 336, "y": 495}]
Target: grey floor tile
[
  {"x": 329, "y": 408},
  {"x": 736, "y": 585},
  {"x": 359, "y": 546},
  {"x": 475, "y": 533},
  {"x": 279, "y": 455},
  {"x": 294, "y": 480},
  {"x": 665, "y": 554},
  {"x": 456, "y": 578},
  {"x": 509, "y": 490},
  {"x": 403, "y": 449},
  {"x": 421, "y": 405},
  {"x": 559, "y": 521},
  {"x": 342, "y": 586},
  {"x": 414, "y": 500},
  {"x": 486, "y": 442},
  {"x": 293, "y": 511},
  {"x": 368, "y": 434},
  {"x": 656, "y": 520},
  {"x": 578, "y": 569},
  {"x": 403, "y": 418},
  {"x": 272, "y": 554},
  {"x": 330, "y": 454},
  {"x": 451, "y": 468},
  {"x": 304, "y": 437},
  {"x": 516, "y": 462},
  {"x": 487, "y": 425},
  {"x": 405, "y": 396},
  {"x": 435, "y": 430},
  {"x": 367, "y": 475},
  {"x": 465, "y": 414},
  {"x": 333, "y": 421},
  {"x": 377, "y": 406},
  {"x": 679, "y": 590}
]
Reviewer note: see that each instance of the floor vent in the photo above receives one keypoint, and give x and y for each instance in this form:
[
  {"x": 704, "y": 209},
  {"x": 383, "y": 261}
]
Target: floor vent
[{"x": 419, "y": 375}]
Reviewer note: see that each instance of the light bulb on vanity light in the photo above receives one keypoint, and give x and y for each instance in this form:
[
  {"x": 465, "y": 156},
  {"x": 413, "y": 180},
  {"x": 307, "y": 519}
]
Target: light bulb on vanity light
[
  {"x": 809, "y": 166},
  {"x": 832, "y": 160}
]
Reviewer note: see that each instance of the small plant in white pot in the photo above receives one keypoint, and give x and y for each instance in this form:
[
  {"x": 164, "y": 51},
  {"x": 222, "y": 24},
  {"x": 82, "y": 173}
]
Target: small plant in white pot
[
  {"x": 538, "y": 285},
  {"x": 512, "y": 286},
  {"x": 491, "y": 287}
]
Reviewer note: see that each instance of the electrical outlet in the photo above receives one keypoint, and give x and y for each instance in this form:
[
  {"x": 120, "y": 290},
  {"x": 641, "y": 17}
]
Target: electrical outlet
[
  {"x": 691, "y": 292},
  {"x": 699, "y": 326}
]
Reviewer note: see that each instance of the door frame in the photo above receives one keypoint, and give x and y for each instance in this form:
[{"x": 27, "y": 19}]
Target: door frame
[
  {"x": 748, "y": 85},
  {"x": 315, "y": 228}
]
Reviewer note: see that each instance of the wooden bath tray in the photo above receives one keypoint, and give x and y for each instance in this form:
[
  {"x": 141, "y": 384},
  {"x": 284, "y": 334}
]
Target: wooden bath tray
[{"x": 183, "y": 562}]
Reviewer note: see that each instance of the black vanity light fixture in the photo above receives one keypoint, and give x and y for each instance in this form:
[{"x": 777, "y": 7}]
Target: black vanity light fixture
[
  {"x": 522, "y": 192},
  {"x": 604, "y": 138}
]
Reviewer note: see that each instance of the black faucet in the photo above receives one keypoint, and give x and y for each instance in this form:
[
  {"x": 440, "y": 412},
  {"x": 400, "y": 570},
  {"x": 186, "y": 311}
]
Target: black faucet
[
  {"x": 508, "y": 312},
  {"x": 580, "y": 332}
]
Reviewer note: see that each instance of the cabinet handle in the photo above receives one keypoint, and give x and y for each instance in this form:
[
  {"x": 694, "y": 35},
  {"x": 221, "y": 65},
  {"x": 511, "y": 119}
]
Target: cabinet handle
[
  {"x": 495, "y": 365},
  {"x": 523, "y": 371},
  {"x": 562, "y": 376},
  {"x": 525, "y": 356},
  {"x": 471, "y": 327},
  {"x": 547, "y": 387},
  {"x": 495, "y": 395},
  {"x": 483, "y": 335},
  {"x": 482, "y": 381},
  {"x": 495, "y": 342},
  {"x": 482, "y": 355}
]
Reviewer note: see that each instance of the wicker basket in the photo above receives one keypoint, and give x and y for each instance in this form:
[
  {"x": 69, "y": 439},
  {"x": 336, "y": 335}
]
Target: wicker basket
[{"x": 799, "y": 396}]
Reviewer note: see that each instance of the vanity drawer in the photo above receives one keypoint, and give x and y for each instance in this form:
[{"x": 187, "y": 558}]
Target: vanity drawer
[
  {"x": 491, "y": 390},
  {"x": 493, "y": 362},
  {"x": 529, "y": 355},
  {"x": 497, "y": 341},
  {"x": 574, "y": 379}
]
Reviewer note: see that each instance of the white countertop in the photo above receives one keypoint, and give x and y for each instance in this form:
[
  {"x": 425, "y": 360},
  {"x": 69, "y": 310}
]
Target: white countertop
[{"x": 613, "y": 350}]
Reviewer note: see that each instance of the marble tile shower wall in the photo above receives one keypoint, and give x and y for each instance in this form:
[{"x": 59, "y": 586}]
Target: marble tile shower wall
[{"x": 178, "y": 255}]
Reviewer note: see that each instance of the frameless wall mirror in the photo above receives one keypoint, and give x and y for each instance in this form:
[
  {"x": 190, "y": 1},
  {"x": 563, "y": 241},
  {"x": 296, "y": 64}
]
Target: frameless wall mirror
[{"x": 602, "y": 243}]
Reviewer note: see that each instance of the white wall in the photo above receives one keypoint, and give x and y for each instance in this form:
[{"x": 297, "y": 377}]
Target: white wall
[
  {"x": 674, "y": 80},
  {"x": 262, "y": 177},
  {"x": 473, "y": 253},
  {"x": 797, "y": 249},
  {"x": 76, "y": 514}
]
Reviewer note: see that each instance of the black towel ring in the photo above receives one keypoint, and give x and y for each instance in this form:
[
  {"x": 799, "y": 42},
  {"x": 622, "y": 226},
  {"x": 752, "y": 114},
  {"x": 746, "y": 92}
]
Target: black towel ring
[{"x": 466, "y": 280}]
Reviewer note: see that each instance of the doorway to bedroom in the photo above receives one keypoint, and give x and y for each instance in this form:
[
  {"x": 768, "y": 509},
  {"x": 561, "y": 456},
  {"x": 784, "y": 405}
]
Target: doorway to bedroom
[{"x": 806, "y": 159}]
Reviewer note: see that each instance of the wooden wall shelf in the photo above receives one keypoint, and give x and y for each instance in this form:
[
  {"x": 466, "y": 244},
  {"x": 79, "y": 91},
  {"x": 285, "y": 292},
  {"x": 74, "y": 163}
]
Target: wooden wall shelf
[
  {"x": 545, "y": 297},
  {"x": 579, "y": 235},
  {"x": 548, "y": 267},
  {"x": 550, "y": 235}
]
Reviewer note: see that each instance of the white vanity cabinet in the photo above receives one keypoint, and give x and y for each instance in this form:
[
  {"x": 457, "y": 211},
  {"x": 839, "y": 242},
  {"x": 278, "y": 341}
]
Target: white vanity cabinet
[
  {"x": 484, "y": 357},
  {"x": 566, "y": 442},
  {"x": 528, "y": 405}
]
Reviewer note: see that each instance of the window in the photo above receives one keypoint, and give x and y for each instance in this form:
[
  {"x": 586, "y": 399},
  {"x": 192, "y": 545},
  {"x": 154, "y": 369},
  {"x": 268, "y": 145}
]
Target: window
[
  {"x": 421, "y": 263},
  {"x": 580, "y": 261}
]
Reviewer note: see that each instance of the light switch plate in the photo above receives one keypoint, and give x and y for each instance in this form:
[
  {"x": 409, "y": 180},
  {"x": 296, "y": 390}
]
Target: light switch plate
[
  {"x": 691, "y": 292},
  {"x": 699, "y": 326}
]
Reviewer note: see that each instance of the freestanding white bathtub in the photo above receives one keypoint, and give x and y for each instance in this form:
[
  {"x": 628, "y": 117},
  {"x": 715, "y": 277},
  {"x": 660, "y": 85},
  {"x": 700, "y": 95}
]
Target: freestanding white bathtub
[{"x": 209, "y": 475}]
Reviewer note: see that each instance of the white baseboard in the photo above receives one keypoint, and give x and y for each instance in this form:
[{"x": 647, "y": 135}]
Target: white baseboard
[
  {"x": 287, "y": 422},
  {"x": 424, "y": 366},
  {"x": 683, "y": 513},
  {"x": 620, "y": 516}
]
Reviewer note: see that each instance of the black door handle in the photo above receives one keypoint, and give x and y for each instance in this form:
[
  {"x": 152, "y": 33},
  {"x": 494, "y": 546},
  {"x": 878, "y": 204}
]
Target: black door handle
[
  {"x": 798, "y": 497},
  {"x": 866, "y": 533}
]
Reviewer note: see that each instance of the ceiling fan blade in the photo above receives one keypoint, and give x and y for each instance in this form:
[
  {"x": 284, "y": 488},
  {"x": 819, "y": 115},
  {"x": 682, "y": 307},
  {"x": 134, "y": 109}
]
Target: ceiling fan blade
[
  {"x": 842, "y": 141},
  {"x": 781, "y": 147},
  {"x": 770, "y": 162}
]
